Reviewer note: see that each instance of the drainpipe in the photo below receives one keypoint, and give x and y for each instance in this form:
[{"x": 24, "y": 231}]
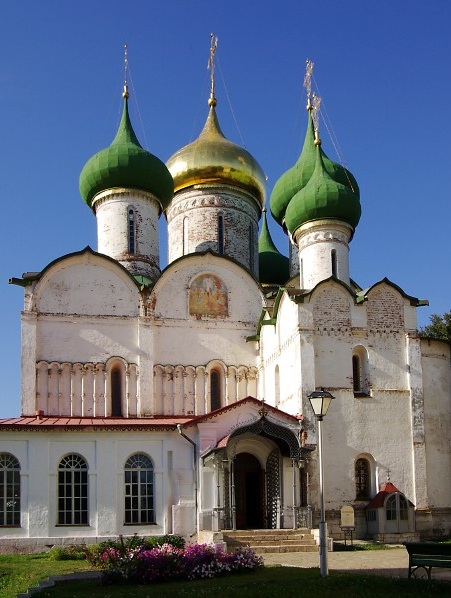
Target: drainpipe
[{"x": 179, "y": 428}]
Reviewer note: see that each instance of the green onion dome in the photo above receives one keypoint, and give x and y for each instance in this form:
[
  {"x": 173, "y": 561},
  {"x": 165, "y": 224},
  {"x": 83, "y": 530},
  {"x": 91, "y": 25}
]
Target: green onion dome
[
  {"x": 212, "y": 158},
  {"x": 296, "y": 178},
  {"x": 322, "y": 198},
  {"x": 126, "y": 164},
  {"x": 274, "y": 267}
]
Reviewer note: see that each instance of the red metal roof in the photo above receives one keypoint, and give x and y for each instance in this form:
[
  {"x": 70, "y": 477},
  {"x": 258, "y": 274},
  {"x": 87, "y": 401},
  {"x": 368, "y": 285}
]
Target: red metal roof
[
  {"x": 379, "y": 500},
  {"x": 91, "y": 423},
  {"x": 214, "y": 414},
  {"x": 44, "y": 422}
]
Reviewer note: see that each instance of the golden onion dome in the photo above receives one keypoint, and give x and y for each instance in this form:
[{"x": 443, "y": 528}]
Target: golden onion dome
[{"x": 214, "y": 159}]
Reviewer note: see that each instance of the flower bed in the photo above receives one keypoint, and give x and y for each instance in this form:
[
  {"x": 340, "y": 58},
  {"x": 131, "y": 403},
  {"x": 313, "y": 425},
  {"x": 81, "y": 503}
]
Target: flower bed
[{"x": 136, "y": 563}]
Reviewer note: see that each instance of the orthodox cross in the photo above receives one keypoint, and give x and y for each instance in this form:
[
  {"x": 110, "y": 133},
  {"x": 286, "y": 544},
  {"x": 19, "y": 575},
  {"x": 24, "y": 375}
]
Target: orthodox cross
[
  {"x": 125, "y": 93},
  {"x": 211, "y": 64}
]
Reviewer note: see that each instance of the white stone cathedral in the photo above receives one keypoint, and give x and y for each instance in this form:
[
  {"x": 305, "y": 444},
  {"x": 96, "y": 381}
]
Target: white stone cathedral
[{"x": 176, "y": 400}]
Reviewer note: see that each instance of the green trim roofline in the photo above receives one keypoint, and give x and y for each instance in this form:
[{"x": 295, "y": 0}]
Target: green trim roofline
[
  {"x": 28, "y": 278},
  {"x": 299, "y": 296}
]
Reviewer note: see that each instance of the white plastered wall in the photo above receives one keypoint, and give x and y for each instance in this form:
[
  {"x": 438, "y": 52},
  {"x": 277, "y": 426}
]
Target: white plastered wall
[
  {"x": 105, "y": 452},
  {"x": 437, "y": 402},
  {"x": 83, "y": 311},
  {"x": 181, "y": 338},
  {"x": 330, "y": 325}
]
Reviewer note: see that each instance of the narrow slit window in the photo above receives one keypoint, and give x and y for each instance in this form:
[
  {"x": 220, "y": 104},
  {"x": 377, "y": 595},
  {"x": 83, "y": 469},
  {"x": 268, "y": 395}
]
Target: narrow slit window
[
  {"x": 220, "y": 234},
  {"x": 131, "y": 231},
  {"x": 215, "y": 390},
  {"x": 333, "y": 257},
  {"x": 362, "y": 479},
  {"x": 361, "y": 371},
  {"x": 116, "y": 393},
  {"x": 356, "y": 373}
]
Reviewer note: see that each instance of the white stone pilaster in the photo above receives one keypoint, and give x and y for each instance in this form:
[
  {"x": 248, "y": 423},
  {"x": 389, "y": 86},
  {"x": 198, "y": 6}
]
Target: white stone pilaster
[
  {"x": 29, "y": 345},
  {"x": 145, "y": 382},
  {"x": 415, "y": 378}
]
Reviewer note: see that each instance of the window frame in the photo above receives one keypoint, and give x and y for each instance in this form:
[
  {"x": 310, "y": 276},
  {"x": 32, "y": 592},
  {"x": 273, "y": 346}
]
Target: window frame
[
  {"x": 116, "y": 391},
  {"x": 139, "y": 506},
  {"x": 215, "y": 389},
  {"x": 391, "y": 511},
  {"x": 361, "y": 385},
  {"x": 356, "y": 373},
  {"x": 334, "y": 263},
  {"x": 362, "y": 478},
  {"x": 73, "y": 502},
  {"x": 10, "y": 490},
  {"x": 131, "y": 230}
]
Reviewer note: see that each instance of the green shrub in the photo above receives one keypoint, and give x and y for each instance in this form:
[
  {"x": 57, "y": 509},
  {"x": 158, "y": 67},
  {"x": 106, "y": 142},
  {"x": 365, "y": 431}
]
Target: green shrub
[
  {"x": 152, "y": 541},
  {"x": 74, "y": 552}
]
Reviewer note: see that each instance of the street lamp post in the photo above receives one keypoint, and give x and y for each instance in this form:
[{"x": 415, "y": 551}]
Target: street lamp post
[{"x": 320, "y": 401}]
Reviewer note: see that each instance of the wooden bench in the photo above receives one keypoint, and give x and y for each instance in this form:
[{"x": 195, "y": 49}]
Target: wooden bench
[{"x": 425, "y": 555}]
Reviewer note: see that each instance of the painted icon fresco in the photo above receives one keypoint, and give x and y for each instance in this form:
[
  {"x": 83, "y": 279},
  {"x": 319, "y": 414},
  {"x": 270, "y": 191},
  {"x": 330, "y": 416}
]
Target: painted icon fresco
[{"x": 208, "y": 296}]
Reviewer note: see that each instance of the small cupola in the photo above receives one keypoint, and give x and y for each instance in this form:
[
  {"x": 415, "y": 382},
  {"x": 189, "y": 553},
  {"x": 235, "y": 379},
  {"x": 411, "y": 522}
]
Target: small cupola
[
  {"x": 125, "y": 164},
  {"x": 127, "y": 188},
  {"x": 274, "y": 267},
  {"x": 322, "y": 198},
  {"x": 317, "y": 202},
  {"x": 297, "y": 177}
]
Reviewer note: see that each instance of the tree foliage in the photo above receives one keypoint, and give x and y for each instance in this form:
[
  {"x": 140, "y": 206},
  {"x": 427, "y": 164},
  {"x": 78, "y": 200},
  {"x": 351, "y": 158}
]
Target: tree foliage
[{"x": 439, "y": 328}]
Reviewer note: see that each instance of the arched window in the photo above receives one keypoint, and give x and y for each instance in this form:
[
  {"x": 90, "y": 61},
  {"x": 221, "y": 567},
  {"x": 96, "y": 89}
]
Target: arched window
[
  {"x": 333, "y": 256},
  {"x": 116, "y": 392},
  {"x": 215, "y": 390},
  {"x": 73, "y": 491},
  {"x": 356, "y": 373},
  {"x": 403, "y": 508},
  {"x": 396, "y": 507},
  {"x": 9, "y": 490},
  {"x": 220, "y": 234},
  {"x": 362, "y": 479},
  {"x": 390, "y": 508},
  {"x": 360, "y": 371},
  {"x": 131, "y": 231},
  {"x": 139, "y": 490}
]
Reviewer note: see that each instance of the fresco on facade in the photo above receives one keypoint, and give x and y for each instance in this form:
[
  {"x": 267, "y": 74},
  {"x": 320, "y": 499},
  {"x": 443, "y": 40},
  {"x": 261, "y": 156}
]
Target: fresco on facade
[{"x": 208, "y": 296}]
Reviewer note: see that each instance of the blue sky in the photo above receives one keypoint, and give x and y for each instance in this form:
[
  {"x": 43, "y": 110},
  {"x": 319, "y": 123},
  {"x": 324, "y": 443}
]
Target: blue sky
[{"x": 381, "y": 68}]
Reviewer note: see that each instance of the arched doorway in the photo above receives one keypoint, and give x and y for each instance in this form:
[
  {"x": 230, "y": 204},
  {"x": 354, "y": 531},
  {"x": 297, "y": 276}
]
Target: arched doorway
[
  {"x": 396, "y": 513},
  {"x": 249, "y": 492}
]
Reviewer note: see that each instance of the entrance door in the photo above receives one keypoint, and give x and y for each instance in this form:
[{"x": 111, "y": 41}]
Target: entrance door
[
  {"x": 397, "y": 514},
  {"x": 249, "y": 492}
]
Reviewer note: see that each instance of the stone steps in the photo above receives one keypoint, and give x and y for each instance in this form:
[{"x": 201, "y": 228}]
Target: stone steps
[{"x": 271, "y": 541}]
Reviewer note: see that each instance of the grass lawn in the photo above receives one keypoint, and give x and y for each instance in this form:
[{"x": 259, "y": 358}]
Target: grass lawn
[{"x": 18, "y": 572}]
